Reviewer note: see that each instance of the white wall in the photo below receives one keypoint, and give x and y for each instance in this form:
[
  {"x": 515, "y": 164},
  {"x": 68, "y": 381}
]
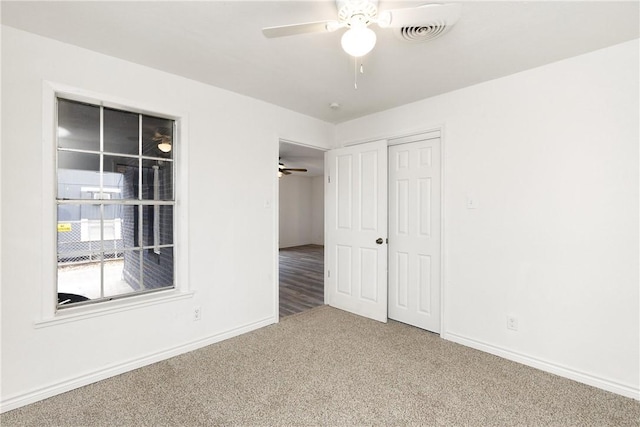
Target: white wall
[
  {"x": 295, "y": 211},
  {"x": 301, "y": 210},
  {"x": 551, "y": 155},
  {"x": 317, "y": 210},
  {"x": 231, "y": 223}
]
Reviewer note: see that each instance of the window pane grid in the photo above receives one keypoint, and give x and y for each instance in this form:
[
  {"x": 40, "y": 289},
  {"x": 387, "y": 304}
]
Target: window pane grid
[
  {"x": 101, "y": 247},
  {"x": 101, "y": 174},
  {"x": 116, "y": 202},
  {"x": 146, "y": 248},
  {"x": 109, "y": 153},
  {"x": 140, "y": 160},
  {"x": 129, "y": 244}
]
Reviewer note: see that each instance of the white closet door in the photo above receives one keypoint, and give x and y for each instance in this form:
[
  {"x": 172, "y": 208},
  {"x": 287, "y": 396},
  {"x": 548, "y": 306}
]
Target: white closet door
[
  {"x": 356, "y": 229},
  {"x": 414, "y": 233}
]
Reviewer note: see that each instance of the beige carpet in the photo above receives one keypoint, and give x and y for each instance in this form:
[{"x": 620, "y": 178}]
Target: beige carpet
[{"x": 328, "y": 367}]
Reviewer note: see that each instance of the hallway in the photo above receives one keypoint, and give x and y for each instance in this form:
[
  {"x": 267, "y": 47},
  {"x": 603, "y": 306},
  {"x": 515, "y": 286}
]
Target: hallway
[{"x": 301, "y": 278}]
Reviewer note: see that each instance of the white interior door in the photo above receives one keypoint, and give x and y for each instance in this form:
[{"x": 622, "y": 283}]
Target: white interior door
[
  {"x": 356, "y": 229},
  {"x": 414, "y": 233}
]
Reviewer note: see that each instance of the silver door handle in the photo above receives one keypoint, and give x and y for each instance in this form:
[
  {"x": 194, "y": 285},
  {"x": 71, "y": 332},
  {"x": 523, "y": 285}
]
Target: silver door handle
[{"x": 379, "y": 240}]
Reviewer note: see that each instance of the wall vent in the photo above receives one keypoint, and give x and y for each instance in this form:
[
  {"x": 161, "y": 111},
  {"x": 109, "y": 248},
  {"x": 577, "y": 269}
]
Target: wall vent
[{"x": 422, "y": 33}]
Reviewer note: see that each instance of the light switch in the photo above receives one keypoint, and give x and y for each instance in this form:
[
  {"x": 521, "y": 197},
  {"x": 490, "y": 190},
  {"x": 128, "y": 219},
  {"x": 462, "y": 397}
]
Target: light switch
[{"x": 472, "y": 202}]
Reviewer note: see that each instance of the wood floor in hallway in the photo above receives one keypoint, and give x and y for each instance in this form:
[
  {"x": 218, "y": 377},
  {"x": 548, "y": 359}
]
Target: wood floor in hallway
[{"x": 301, "y": 278}]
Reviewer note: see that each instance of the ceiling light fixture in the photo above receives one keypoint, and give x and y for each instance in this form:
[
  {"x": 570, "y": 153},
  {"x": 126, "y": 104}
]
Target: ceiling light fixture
[
  {"x": 164, "y": 146},
  {"x": 357, "y": 15},
  {"x": 358, "y": 40},
  {"x": 163, "y": 137}
]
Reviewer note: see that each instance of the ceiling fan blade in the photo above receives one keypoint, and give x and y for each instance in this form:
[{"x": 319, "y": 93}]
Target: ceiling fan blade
[
  {"x": 294, "y": 29},
  {"x": 420, "y": 16},
  {"x": 293, "y": 170}
]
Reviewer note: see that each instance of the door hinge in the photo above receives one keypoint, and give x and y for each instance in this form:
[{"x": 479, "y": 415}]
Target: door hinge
[
  {"x": 329, "y": 273},
  {"x": 328, "y": 179}
]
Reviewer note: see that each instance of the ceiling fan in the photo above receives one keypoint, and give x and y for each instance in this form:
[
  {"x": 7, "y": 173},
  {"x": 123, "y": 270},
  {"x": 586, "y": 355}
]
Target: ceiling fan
[
  {"x": 282, "y": 170},
  {"x": 411, "y": 23},
  {"x": 163, "y": 137}
]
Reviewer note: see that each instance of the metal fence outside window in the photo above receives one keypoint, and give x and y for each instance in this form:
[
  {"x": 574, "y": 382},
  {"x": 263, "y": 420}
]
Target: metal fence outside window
[{"x": 79, "y": 241}]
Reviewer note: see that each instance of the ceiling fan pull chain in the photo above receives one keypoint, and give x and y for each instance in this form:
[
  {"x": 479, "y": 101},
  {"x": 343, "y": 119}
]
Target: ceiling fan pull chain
[{"x": 355, "y": 73}]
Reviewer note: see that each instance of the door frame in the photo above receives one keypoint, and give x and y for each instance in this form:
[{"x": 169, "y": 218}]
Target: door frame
[
  {"x": 435, "y": 132},
  {"x": 276, "y": 223}
]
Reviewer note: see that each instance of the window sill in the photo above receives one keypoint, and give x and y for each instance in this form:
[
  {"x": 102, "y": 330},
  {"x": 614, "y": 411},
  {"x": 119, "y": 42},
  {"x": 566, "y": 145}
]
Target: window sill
[{"x": 74, "y": 314}]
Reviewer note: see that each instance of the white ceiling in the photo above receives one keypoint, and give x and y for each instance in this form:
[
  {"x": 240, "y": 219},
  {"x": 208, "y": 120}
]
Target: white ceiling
[{"x": 221, "y": 43}]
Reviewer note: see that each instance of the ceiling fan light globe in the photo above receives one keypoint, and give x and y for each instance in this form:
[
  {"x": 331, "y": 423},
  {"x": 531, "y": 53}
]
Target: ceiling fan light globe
[
  {"x": 165, "y": 147},
  {"x": 358, "y": 41}
]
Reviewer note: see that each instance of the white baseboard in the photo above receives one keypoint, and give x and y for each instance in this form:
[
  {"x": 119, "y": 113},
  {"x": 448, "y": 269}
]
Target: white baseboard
[
  {"x": 33, "y": 396},
  {"x": 582, "y": 377}
]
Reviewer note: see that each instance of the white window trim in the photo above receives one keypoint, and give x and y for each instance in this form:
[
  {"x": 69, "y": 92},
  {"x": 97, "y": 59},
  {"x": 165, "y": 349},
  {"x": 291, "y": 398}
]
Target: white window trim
[
  {"x": 97, "y": 190},
  {"x": 49, "y": 314}
]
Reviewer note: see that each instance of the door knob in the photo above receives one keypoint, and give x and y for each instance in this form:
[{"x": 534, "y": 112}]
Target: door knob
[{"x": 379, "y": 240}]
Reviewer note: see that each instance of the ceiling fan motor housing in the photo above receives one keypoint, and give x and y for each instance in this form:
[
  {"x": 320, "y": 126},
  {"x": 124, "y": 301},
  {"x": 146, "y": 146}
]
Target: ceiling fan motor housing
[{"x": 357, "y": 11}]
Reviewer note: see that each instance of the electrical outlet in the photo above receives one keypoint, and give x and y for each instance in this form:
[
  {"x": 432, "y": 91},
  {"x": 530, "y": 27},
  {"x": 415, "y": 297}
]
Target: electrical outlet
[
  {"x": 512, "y": 323},
  {"x": 197, "y": 314}
]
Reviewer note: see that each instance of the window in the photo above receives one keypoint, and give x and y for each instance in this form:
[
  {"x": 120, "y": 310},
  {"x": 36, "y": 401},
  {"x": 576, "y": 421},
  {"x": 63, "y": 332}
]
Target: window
[{"x": 115, "y": 203}]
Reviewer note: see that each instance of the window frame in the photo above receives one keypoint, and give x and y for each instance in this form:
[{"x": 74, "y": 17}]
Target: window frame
[
  {"x": 50, "y": 313},
  {"x": 140, "y": 203}
]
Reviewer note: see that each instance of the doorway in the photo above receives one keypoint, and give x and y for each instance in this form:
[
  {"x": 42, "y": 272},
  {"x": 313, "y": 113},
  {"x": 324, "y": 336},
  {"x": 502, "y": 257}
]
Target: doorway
[{"x": 301, "y": 228}]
